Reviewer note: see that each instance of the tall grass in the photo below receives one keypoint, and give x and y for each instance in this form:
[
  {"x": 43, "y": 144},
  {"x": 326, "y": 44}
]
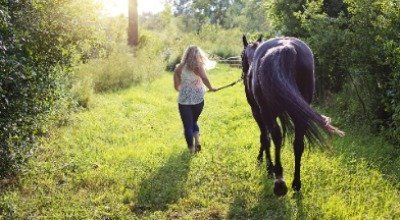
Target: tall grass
[{"x": 123, "y": 68}]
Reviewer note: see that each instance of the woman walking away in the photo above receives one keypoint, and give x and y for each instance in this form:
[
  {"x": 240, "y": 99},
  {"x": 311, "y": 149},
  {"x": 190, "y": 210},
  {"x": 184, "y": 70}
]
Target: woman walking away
[{"x": 189, "y": 79}]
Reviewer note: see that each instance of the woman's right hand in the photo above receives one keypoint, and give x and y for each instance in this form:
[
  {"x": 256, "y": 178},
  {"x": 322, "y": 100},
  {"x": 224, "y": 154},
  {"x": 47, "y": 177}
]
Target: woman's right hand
[{"x": 212, "y": 89}]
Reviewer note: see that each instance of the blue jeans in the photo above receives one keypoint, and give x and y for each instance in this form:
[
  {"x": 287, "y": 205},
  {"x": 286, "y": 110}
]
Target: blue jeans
[{"x": 189, "y": 116}]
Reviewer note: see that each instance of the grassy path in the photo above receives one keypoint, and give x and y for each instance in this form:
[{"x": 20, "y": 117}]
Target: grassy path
[{"x": 126, "y": 159}]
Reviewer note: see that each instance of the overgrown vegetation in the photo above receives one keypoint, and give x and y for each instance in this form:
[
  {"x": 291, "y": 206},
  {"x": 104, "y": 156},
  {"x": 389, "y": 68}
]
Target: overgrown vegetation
[
  {"x": 39, "y": 41},
  {"x": 126, "y": 158},
  {"x": 123, "y": 68},
  {"x": 57, "y": 55},
  {"x": 42, "y": 47},
  {"x": 357, "y": 46}
]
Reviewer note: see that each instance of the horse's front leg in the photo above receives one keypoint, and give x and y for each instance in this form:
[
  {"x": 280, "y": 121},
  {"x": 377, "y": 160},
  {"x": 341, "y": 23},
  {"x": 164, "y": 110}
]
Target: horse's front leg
[{"x": 298, "y": 146}]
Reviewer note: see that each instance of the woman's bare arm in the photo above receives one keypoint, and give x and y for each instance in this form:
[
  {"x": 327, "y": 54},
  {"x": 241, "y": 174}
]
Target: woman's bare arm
[
  {"x": 202, "y": 73},
  {"x": 177, "y": 76}
]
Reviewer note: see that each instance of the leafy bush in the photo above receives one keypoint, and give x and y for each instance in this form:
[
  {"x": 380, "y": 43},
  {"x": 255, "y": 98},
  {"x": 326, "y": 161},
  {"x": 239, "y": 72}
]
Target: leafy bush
[
  {"x": 28, "y": 81},
  {"x": 38, "y": 44}
]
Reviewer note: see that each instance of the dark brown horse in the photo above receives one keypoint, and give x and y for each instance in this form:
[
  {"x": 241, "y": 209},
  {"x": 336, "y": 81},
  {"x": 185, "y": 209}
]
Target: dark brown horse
[{"x": 279, "y": 83}]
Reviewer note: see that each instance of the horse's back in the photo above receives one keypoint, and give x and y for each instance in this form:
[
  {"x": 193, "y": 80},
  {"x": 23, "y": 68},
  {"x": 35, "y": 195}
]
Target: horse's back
[{"x": 301, "y": 48}]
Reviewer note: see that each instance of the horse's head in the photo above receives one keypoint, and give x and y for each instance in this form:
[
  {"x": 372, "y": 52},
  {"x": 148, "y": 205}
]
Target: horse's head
[{"x": 248, "y": 53}]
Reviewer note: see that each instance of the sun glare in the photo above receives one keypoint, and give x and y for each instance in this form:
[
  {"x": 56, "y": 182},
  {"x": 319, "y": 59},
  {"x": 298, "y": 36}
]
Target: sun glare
[{"x": 118, "y": 7}]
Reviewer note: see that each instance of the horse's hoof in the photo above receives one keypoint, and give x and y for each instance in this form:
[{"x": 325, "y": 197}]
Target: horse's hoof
[
  {"x": 198, "y": 148},
  {"x": 296, "y": 185},
  {"x": 280, "y": 188}
]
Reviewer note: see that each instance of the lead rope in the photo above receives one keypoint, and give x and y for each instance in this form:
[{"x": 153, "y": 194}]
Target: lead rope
[
  {"x": 228, "y": 60},
  {"x": 229, "y": 85}
]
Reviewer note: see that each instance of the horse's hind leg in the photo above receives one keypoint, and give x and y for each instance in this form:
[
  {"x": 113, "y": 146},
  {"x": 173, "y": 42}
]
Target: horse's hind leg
[
  {"x": 298, "y": 146},
  {"x": 280, "y": 188},
  {"x": 265, "y": 144},
  {"x": 262, "y": 145}
]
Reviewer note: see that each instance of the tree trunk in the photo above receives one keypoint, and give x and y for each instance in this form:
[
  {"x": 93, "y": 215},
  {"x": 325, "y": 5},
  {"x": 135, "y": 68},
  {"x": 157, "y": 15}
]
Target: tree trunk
[{"x": 133, "y": 32}]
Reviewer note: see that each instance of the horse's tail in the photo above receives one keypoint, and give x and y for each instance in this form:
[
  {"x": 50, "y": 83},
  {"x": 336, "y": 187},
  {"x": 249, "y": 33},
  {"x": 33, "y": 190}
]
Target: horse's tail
[{"x": 278, "y": 84}]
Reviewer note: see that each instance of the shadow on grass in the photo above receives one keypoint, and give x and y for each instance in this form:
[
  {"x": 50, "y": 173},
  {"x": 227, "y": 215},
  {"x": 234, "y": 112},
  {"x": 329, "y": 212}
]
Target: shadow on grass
[
  {"x": 268, "y": 206},
  {"x": 165, "y": 186}
]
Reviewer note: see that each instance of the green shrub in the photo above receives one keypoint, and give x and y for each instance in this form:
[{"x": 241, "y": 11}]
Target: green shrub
[
  {"x": 106, "y": 74},
  {"x": 123, "y": 68},
  {"x": 28, "y": 81},
  {"x": 38, "y": 45}
]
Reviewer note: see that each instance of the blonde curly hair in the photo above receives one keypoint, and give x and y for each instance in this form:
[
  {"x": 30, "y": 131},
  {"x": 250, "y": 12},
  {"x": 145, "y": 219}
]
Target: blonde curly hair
[{"x": 194, "y": 58}]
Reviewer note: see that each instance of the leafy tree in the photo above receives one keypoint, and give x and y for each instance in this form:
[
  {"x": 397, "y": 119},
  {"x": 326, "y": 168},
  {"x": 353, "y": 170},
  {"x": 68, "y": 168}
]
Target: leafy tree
[
  {"x": 281, "y": 15},
  {"x": 181, "y": 7},
  {"x": 254, "y": 16},
  {"x": 201, "y": 12}
]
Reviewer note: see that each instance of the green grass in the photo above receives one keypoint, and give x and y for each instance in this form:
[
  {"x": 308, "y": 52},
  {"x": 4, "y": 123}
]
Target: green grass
[{"x": 126, "y": 158}]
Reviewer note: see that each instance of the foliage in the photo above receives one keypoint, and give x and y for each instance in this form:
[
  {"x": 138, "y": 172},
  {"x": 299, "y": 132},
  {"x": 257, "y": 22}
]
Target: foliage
[
  {"x": 356, "y": 45},
  {"x": 327, "y": 34},
  {"x": 39, "y": 41},
  {"x": 123, "y": 68},
  {"x": 205, "y": 11},
  {"x": 253, "y": 17},
  {"x": 131, "y": 143},
  {"x": 281, "y": 15},
  {"x": 245, "y": 15}
]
